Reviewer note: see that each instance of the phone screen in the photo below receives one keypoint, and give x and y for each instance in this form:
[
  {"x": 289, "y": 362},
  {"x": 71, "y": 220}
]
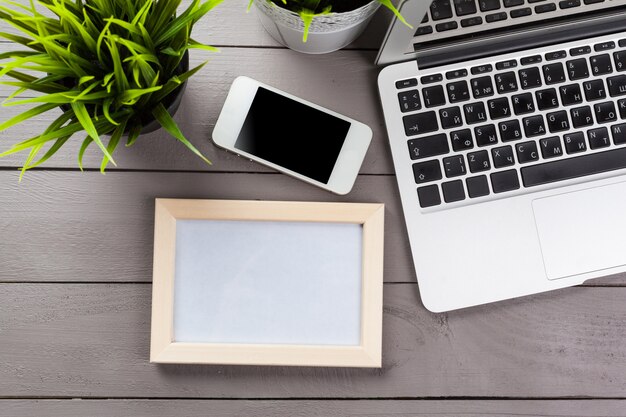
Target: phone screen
[{"x": 292, "y": 135}]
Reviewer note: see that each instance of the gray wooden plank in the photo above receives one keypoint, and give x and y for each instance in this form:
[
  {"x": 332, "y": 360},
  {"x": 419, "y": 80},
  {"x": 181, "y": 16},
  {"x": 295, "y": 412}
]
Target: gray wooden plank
[
  {"x": 372, "y": 408},
  {"x": 92, "y": 340},
  {"x": 344, "y": 82}
]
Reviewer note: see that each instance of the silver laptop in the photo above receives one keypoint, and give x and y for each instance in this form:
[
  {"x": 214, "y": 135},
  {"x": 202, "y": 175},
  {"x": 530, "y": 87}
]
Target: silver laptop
[{"x": 507, "y": 125}]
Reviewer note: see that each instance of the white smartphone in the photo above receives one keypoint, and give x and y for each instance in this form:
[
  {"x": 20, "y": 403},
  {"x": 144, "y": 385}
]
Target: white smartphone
[{"x": 291, "y": 135}]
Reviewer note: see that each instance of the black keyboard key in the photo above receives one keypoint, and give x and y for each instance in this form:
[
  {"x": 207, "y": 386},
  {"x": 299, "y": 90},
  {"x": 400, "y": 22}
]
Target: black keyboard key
[
  {"x": 504, "y": 181},
  {"x": 545, "y": 8},
  {"x": 433, "y": 78},
  {"x": 503, "y": 65},
  {"x": 415, "y": 124},
  {"x": 441, "y": 9},
  {"x": 454, "y": 166},
  {"x": 443, "y": 27},
  {"x": 551, "y": 56},
  {"x": 568, "y": 4},
  {"x": 450, "y": 75},
  {"x": 593, "y": 1},
  {"x": 428, "y": 196},
  {"x": 557, "y": 121},
  {"x": 465, "y": 7},
  {"x": 450, "y": 117},
  {"x": 458, "y": 91},
  {"x": 581, "y": 116},
  {"x": 547, "y": 99},
  {"x": 512, "y": 3},
  {"x": 605, "y": 112},
  {"x": 598, "y": 138},
  {"x": 424, "y": 30},
  {"x": 410, "y": 82},
  {"x": 554, "y": 73},
  {"x": 485, "y": 135},
  {"x": 619, "y": 134},
  {"x": 489, "y": 5},
  {"x": 477, "y": 186},
  {"x": 475, "y": 113},
  {"x": 434, "y": 96},
  {"x": 521, "y": 12},
  {"x": 575, "y": 142},
  {"x": 506, "y": 82},
  {"x": 471, "y": 21},
  {"x": 427, "y": 171},
  {"x": 510, "y": 130},
  {"x": 617, "y": 85},
  {"x": 577, "y": 69},
  {"x": 453, "y": 191},
  {"x": 533, "y": 59},
  {"x": 594, "y": 90},
  {"x": 428, "y": 146},
  {"x": 523, "y": 103},
  {"x": 481, "y": 69},
  {"x": 620, "y": 60},
  {"x": 570, "y": 94},
  {"x": 604, "y": 46},
  {"x": 482, "y": 87},
  {"x": 601, "y": 64},
  {"x": 530, "y": 77},
  {"x": 409, "y": 100},
  {"x": 479, "y": 161},
  {"x": 621, "y": 104},
  {"x": 581, "y": 50},
  {"x": 622, "y": 43},
  {"x": 502, "y": 156},
  {"x": 534, "y": 126},
  {"x": 461, "y": 140},
  {"x": 496, "y": 17},
  {"x": 551, "y": 147},
  {"x": 564, "y": 169},
  {"x": 526, "y": 152}
]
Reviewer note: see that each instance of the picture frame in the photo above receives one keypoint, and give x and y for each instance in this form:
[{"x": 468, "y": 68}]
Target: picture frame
[{"x": 173, "y": 214}]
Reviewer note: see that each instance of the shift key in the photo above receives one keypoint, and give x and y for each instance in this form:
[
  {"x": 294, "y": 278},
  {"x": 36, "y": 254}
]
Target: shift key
[{"x": 416, "y": 124}]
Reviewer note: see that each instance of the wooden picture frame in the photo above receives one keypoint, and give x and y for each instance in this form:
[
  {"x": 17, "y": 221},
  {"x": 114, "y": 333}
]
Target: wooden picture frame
[{"x": 165, "y": 349}]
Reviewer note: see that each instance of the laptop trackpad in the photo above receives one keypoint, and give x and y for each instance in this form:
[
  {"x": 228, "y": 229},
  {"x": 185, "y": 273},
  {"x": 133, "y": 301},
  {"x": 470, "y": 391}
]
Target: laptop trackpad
[{"x": 583, "y": 231}]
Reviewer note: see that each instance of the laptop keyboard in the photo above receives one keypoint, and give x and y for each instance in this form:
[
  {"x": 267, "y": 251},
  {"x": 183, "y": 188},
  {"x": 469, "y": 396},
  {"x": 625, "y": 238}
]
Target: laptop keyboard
[
  {"x": 451, "y": 18},
  {"x": 505, "y": 125}
]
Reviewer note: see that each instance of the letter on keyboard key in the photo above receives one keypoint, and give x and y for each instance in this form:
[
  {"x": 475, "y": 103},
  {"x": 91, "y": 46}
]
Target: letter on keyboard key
[
  {"x": 416, "y": 124},
  {"x": 575, "y": 142},
  {"x": 504, "y": 181},
  {"x": 475, "y": 113},
  {"x": 523, "y": 103},
  {"x": 479, "y": 161},
  {"x": 570, "y": 94},
  {"x": 428, "y": 146},
  {"x": 502, "y": 156},
  {"x": 526, "y": 152},
  {"x": 485, "y": 135},
  {"x": 546, "y": 99},
  {"x": 598, "y": 138},
  {"x": 551, "y": 147},
  {"x": 617, "y": 85},
  {"x": 461, "y": 140},
  {"x": 557, "y": 121},
  {"x": 622, "y": 108},
  {"x": 534, "y": 126},
  {"x": 428, "y": 196},
  {"x": 450, "y": 117},
  {"x": 619, "y": 133},
  {"x": 605, "y": 112},
  {"x": 581, "y": 116},
  {"x": 499, "y": 108},
  {"x": 510, "y": 130}
]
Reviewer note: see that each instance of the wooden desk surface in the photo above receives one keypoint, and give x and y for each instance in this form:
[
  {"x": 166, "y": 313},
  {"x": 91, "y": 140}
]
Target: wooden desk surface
[{"x": 76, "y": 265}]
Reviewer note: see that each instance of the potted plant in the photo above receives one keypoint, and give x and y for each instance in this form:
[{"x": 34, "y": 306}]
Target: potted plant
[
  {"x": 116, "y": 68},
  {"x": 318, "y": 26}
]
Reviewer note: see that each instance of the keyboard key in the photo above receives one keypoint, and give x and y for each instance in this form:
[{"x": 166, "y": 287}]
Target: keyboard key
[
  {"x": 604, "y": 46},
  {"x": 621, "y": 104},
  {"x": 617, "y": 85},
  {"x": 512, "y": 3},
  {"x": 458, "y": 91},
  {"x": 415, "y": 124},
  {"x": 619, "y": 133},
  {"x": 475, "y": 113},
  {"x": 534, "y": 126},
  {"x": 551, "y": 147},
  {"x": 409, "y": 100},
  {"x": 482, "y": 87},
  {"x": 454, "y": 166},
  {"x": 428, "y": 196},
  {"x": 433, "y": 78},
  {"x": 521, "y": 12},
  {"x": 485, "y": 135},
  {"x": 453, "y": 191},
  {"x": 450, "y": 75},
  {"x": 461, "y": 140},
  {"x": 568, "y": 4},
  {"x": 533, "y": 59},
  {"x": 506, "y": 64},
  {"x": 506, "y": 82},
  {"x": 581, "y": 50},
  {"x": 442, "y": 27},
  {"x": 581, "y": 116},
  {"x": 471, "y": 21},
  {"x": 434, "y": 96},
  {"x": 441, "y": 9},
  {"x": 424, "y": 30},
  {"x": 601, "y": 64},
  {"x": 502, "y": 156},
  {"x": 450, "y": 117},
  {"x": 465, "y": 7},
  {"x": 577, "y": 69},
  {"x": 504, "y": 181},
  {"x": 557, "y": 121},
  {"x": 530, "y": 77},
  {"x": 570, "y": 94},
  {"x": 546, "y": 99},
  {"x": 551, "y": 56},
  {"x": 496, "y": 17},
  {"x": 593, "y": 1},
  {"x": 605, "y": 112},
  {"x": 477, "y": 186},
  {"x": 499, "y": 108},
  {"x": 554, "y": 73},
  {"x": 428, "y": 146},
  {"x": 545, "y": 8},
  {"x": 510, "y": 130},
  {"x": 526, "y": 152},
  {"x": 574, "y": 142},
  {"x": 523, "y": 103},
  {"x": 598, "y": 138},
  {"x": 489, "y": 5},
  {"x": 411, "y": 82},
  {"x": 427, "y": 171},
  {"x": 620, "y": 60},
  {"x": 594, "y": 90},
  {"x": 481, "y": 69},
  {"x": 479, "y": 161}
]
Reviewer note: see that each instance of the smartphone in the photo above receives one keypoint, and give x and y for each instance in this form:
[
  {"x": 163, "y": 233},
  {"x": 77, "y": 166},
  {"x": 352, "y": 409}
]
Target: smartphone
[{"x": 292, "y": 135}]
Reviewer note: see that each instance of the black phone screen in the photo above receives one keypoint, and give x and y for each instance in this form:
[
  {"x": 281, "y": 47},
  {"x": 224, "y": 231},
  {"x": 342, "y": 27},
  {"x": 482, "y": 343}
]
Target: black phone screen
[{"x": 292, "y": 135}]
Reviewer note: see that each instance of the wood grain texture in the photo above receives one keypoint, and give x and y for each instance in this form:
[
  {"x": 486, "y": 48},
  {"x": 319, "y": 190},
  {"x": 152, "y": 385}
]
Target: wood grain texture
[
  {"x": 372, "y": 408},
  {"x": 92, "y": 340}
]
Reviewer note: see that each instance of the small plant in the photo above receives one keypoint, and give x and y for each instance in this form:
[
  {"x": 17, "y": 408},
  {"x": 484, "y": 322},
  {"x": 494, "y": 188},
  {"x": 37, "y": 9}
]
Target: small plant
[
  {"x": 308, "y": 9},
  {"x": 108, "y": 64}
]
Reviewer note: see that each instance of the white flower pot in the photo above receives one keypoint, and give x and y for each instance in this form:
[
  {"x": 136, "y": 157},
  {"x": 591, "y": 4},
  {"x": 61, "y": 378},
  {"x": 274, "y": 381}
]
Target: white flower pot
[{"x": 327, "y": 33}]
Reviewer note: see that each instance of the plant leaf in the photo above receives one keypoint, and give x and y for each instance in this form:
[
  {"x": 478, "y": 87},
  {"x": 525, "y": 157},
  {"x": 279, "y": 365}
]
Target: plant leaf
[
  {"x": 113, "y": 142},
  {"x": 35, "y": 111},
  {"x": 85, "y": 120}
]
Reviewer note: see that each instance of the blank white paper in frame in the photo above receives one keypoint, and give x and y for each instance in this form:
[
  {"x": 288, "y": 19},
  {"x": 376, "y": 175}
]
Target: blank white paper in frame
[{"x": 266, "y": 282}]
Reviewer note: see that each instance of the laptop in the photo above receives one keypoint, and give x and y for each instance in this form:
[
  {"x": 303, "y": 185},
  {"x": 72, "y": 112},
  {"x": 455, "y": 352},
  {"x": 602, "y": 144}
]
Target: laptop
[{"x": 507, "y": 125}]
